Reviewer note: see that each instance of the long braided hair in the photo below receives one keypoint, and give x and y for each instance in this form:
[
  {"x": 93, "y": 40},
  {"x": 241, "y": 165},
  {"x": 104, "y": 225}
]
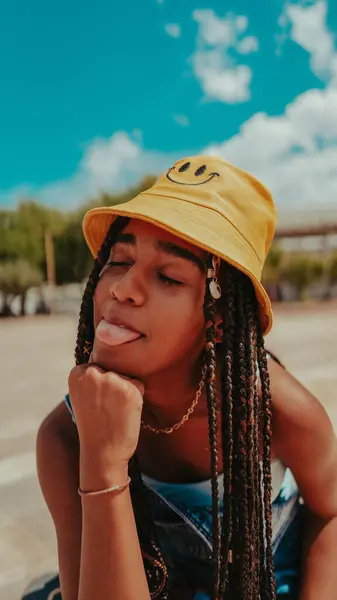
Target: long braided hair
[{"x": 242, "y": 538}]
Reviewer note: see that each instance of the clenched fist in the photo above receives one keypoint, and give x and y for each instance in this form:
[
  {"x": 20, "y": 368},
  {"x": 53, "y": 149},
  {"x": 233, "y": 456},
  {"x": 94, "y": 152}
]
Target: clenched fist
[{"x": 107, "y": 409}]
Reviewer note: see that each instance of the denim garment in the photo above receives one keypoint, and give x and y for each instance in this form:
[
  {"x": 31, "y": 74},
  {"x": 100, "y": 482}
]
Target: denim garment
[{"x": 185, "y": 536}]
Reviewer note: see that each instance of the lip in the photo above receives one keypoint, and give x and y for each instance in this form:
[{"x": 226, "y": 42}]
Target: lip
[{"x": 122, "y": 323}]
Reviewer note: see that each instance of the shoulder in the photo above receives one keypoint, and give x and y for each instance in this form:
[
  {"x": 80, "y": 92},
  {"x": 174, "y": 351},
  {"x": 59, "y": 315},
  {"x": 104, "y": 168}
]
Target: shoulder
[
  {"x": 304, "y": 439},
  {"x": 292, "y": 402}
]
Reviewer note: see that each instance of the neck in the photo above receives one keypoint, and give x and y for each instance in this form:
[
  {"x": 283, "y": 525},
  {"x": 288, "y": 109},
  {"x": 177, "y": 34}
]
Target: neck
[{"x": 169, "y": 394}]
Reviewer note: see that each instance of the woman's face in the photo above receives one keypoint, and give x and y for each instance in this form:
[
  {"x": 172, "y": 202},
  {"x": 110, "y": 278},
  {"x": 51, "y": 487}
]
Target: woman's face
[{"x": 148, "y": 304}]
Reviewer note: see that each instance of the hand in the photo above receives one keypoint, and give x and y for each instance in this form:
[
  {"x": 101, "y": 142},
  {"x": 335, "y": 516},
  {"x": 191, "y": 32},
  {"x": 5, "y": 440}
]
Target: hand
[{"x": 107, "y": 409}]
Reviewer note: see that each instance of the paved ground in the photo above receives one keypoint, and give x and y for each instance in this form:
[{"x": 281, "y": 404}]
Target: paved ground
[{"x": 35, "y": 358}]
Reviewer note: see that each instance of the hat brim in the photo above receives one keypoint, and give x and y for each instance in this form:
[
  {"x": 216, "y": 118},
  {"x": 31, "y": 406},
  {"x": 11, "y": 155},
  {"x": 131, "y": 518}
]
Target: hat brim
[{"x": 204, "y": 227}]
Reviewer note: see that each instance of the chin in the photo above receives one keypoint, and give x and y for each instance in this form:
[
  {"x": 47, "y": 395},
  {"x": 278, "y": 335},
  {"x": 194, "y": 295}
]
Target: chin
[{"x": 127, "y": 365}]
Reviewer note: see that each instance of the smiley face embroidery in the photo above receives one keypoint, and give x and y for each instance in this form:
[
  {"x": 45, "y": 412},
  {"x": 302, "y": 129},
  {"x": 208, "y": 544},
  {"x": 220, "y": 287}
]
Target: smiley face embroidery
[{"x": 184, "y": 175}]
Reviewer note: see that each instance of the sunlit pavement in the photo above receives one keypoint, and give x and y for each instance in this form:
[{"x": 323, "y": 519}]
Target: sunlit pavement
[{"x": 36, "y": 355}]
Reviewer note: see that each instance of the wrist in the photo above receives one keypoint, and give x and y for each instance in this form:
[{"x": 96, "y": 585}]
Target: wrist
[{"x": 98, "y": 475}]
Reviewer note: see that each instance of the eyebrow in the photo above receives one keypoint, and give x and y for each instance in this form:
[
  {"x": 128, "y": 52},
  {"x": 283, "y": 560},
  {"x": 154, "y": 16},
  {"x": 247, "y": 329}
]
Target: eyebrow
[{"x": 167, "y": 248}]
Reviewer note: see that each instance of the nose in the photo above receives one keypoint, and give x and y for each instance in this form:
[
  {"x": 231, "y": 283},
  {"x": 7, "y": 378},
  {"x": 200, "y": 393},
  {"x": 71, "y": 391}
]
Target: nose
[{"x": 129, "y": 288}]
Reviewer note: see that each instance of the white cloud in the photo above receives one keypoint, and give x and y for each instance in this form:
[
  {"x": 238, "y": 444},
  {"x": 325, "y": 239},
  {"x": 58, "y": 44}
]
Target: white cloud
[
  {"x": 181, "y": 120},
  {"x": 173, "y": 29},
  {"x": 108, "y": 164},
  {"x": 215, "y": 62},
  {"x": 230, "y": 85},
  {"x": 247, "y": 45},
  {"x": 295, "y": 153},
  {"x": 306, "y": 26},
  {"x": 105, "y": 159}
]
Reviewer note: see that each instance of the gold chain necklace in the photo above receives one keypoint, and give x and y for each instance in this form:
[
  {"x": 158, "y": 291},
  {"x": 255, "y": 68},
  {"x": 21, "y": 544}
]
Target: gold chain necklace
[{"x": 176, "y": 426}]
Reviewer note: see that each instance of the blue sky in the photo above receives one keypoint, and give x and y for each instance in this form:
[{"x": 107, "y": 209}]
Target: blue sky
[{"x": 95, "y": 95}]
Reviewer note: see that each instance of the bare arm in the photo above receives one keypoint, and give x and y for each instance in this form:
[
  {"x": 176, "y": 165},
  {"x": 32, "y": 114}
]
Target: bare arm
[
  {"x": 99, "y": 551},
  {"x": 108, "y": 409},
  {"x": 319, "y": 578},
  {"x": 57, "y": 451},
  {"x": 111, "y": 562},
  {"x": 304, "y": 439}
]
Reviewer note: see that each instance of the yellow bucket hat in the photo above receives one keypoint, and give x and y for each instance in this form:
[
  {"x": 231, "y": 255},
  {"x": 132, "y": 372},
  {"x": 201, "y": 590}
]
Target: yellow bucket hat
[{"x": 210, "y": 203}]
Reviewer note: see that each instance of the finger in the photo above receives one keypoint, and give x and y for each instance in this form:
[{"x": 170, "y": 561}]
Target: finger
[
  {"x": 140, "y": 386},
  {"x": 96, "y": 367},
  {"x": 136, "y": 382}
]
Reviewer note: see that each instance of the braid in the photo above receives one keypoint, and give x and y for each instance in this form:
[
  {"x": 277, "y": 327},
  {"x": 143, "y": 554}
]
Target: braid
[
  {"x": 242, "y": 542},
  {"x": 227, "y": 428},
  {"x": 242, "y": 546},
  {"x": 253, "y": 439},
  {"x": 85, "y": 332},
  {"x": 213, "y": 412},
  {"x": 142, "y": 501},
  {"x": 247, "y": 517},
  {"x": 267, "y": 481},
  {"x": 154, "y": 565}
]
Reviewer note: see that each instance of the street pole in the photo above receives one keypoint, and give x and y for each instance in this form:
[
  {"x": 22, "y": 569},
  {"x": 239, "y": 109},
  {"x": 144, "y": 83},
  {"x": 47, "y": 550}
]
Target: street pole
[{"x": 50, "y": 262}]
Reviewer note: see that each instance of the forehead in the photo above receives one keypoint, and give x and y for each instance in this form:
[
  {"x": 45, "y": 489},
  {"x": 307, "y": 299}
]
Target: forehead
[{"x": 148, "y": 232}]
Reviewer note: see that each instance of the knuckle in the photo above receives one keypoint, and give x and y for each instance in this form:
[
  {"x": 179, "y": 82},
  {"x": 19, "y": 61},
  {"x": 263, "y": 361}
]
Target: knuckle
[
  {"x": 74, "y": 375},
  {"x": 125, "y": 388},
  {"x": 90, "y": 374},
  {"x": 139, "y": 403},
  {"x": 93, "y": 375},
  {"x": 117, "y": 382}
]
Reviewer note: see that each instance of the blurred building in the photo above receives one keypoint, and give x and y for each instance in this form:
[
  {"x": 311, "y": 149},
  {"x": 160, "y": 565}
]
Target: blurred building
[{"x": 308, "y": 228}]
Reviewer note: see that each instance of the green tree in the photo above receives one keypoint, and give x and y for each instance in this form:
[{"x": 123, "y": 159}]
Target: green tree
[
  {"x": 302, "y": 271},
  {"x": 333, "y": 269},
  {"x": 72, "y": 256},
  {"x": 22, "y": 232},
  {"x": 272, "y": 268},
  {"x": 73, "y": 260},
  {"x": 272, "y": 272},
  {"x": 15, "y": 280}
]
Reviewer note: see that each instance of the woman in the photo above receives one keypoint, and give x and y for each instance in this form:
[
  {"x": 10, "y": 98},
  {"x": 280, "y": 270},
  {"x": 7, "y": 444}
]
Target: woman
[{"x": 173, "y": 387}]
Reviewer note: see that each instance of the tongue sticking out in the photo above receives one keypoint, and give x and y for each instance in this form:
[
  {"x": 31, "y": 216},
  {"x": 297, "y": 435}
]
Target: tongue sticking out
[{"x": 114, "y": 335}]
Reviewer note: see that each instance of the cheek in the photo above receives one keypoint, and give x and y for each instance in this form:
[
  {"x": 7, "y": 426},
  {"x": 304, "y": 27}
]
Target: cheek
[
  {"x": 100, "y": 295},
  {"x": 180, "y": 320}
]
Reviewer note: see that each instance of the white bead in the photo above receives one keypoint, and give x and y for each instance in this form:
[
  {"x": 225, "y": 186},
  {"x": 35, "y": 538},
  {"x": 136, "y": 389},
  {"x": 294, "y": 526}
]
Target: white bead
[{"x": 215, "y": 289}]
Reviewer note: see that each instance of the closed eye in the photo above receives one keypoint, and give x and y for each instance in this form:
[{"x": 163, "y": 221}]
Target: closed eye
[
  {"x": 169, "y": 280},
  {"x": 113, "y": 263},
  {"x": 161, "y": 277}
]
